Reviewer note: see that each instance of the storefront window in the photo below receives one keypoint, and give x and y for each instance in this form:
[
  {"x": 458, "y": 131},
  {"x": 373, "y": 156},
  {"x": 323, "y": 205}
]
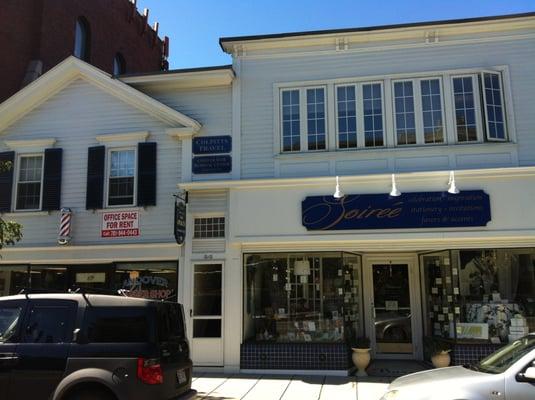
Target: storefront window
[
  {"x": 486, "y": 295},
  {"x": 13, "y": 278},
  {"x": 49, "y": 278},
  {"x": 302, "y": 297},
  {"x": 152, "y": 280}
]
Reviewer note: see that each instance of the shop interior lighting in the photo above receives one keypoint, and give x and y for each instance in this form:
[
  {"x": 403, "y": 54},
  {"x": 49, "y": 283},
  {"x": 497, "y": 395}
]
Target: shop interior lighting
[
  {"x": 394, "y": 192},
  {"x": 337, "y": 192},
  {"x": 452, "y": 187}
]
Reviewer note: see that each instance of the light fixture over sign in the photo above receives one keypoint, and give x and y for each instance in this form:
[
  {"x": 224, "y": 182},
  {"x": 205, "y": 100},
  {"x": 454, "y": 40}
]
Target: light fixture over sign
[
  {"x": 337, "y": 192},
  {"x": 452, "y": 187}
]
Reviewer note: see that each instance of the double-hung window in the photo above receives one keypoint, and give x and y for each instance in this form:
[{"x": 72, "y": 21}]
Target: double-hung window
[
  {"x": 418, "y": 110},
  {"x": 122, "y": 177},
  {"x": 360, "y": 117},
  {"x": 491, "y": 83},
  {"x": 29, "y": 182},
  {"x": 467, "y": 110},
  {"x": 304, "y": 122}
]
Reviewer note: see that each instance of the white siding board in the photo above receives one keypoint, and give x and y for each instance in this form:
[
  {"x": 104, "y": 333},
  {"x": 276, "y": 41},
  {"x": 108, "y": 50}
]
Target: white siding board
[
  {"x": 75, "y": 116},
  {"x": 208, "y": 202},
  {"x": 258, "y": 76}
]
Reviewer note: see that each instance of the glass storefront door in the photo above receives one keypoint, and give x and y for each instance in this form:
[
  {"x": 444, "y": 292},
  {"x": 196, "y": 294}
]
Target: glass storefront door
[{"x": 393, "y": 305}]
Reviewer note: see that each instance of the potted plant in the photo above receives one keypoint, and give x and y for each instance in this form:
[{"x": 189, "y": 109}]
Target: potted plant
[
  {"x": 439, "y": 351},
  {"x": 361, "y": 354}
]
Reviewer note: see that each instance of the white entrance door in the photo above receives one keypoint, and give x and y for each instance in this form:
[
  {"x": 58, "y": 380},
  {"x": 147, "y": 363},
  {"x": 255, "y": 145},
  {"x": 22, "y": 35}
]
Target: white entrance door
[
  {"x": 392, "y": 306},
  {"x": 207, "y": 314}
]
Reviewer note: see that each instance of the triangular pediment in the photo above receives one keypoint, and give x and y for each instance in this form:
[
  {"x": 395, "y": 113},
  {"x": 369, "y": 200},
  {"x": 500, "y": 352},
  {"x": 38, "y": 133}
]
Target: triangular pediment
[{"x": 72, "y": 69}]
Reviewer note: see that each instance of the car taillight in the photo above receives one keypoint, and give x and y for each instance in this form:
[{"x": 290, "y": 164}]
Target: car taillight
[{"x": 149, "y": 371}]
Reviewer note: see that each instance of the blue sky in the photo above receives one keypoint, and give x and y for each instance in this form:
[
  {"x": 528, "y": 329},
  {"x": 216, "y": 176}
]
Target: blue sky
[{"x": 195, "y": 26}]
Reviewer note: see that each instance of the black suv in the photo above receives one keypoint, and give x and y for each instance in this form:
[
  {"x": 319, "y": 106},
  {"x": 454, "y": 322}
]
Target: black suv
[{"x": 75, "y": 346}]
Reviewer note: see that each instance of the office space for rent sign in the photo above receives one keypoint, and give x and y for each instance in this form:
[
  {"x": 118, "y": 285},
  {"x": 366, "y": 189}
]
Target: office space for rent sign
[{"x": 120, "y": 224}]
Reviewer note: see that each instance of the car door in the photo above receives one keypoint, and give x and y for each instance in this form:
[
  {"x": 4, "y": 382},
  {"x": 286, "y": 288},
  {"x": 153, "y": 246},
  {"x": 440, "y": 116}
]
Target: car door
[
  {"x": 46, "y": 334},
  {"x": 11, "y": 315}
]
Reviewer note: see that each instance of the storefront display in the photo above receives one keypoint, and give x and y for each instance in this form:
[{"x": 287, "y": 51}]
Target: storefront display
[{"x": 302, "y": 297}]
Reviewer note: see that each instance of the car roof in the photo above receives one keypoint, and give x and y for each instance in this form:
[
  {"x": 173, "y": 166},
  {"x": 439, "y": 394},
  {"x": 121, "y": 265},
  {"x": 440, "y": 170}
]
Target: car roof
[{"x": 93, "y": 299}]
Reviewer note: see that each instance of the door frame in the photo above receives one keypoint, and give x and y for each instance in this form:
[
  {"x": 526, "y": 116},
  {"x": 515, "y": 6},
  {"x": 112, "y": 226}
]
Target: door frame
[
  {"x": 411, "y": 259},
  {"x": 195, "y": 341}
]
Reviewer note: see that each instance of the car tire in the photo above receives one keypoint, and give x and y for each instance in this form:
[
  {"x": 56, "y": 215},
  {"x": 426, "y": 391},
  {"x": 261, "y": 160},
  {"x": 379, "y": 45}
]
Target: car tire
[{"x": 91, "y": 394}]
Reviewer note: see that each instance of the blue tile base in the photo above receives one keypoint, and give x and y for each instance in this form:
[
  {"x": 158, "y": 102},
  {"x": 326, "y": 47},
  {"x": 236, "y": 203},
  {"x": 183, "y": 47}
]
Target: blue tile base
[
  {"x": 471, "y": 353},
  {"x": 299, "y": 356}
]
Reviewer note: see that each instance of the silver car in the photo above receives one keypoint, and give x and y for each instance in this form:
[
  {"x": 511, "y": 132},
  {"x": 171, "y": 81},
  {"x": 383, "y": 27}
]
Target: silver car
[{"x": 507, "y": 374}]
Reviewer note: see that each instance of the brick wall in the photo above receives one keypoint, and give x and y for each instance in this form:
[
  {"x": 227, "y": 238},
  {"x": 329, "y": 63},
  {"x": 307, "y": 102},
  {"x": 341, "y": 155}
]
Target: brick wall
[{"x": 44, "y": 30}]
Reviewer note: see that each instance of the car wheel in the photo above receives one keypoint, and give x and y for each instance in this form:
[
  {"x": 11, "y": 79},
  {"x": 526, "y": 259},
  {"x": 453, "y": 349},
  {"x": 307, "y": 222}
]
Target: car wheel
[{"x": 91, "y": 394}]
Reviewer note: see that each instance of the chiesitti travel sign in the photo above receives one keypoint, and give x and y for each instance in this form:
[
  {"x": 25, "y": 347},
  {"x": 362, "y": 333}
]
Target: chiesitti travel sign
[{"x": 410, "y": 210}]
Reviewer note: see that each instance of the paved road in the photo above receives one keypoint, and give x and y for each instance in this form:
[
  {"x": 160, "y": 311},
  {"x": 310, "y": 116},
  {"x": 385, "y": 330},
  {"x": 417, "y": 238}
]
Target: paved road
[{"x": 269, "y": 387}]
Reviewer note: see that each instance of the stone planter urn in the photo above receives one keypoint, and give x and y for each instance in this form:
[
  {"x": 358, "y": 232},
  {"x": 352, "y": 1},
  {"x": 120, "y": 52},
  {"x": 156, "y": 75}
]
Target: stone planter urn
[
  {"x": 361, "y": 358},
  {"x": 442, "y": 359}
]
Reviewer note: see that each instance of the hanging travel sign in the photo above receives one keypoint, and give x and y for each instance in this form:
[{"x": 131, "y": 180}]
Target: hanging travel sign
[
  {"x": 410, "y": 210},
  {"x": 212, "y": 144}
]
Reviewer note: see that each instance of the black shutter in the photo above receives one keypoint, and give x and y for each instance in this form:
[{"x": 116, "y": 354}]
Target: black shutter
[
  {"x": 95, "y": 177},
  {"x": 6, "y": 181},
  {"x": 146, "y": 174},
  {"x": 52, "y": 179}
]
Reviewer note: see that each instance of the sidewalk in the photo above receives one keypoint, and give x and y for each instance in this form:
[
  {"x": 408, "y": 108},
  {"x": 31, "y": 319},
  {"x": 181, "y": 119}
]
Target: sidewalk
[{"x": 270, "y": 387}]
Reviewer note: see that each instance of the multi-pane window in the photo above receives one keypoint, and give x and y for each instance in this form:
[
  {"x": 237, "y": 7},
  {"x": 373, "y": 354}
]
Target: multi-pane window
[
  {"x": 494, "y": 111},
  {"x": 465, "y": 108},
  {"x": 121, "y": 182},
  {"x": 433, "y": 124},
  {"x": 404, "y": 112},
  {"x": 373, "y": 114},
  {"x": 291, "y": 126},
  {"x": 208, "y": 228},
  {"x": 30, "y": 175},
  {"x": 316, "y": 119},
  {"x": 347, "y": 117}
]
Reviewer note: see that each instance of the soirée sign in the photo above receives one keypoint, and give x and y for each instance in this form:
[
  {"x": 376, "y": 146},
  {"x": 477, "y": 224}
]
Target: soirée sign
[{"x": 410, "y": 210}]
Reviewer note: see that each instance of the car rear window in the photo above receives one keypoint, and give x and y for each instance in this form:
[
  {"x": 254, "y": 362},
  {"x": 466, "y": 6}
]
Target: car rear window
[
  {"x": 170, "y": 322},
  {"x": 9, "y": 319},
  {"x": 118, "y": 324}
]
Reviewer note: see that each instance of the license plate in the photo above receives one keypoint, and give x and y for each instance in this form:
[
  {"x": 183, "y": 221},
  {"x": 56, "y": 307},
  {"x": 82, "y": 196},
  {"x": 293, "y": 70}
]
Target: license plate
[{"x": 181, "y": 376}]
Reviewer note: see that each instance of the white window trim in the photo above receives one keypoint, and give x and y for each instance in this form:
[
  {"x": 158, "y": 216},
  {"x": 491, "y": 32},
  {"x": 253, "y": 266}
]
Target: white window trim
[
  {"x": 357, "y": 115},
  {"x": 107, "y": 179},
  {"x": 484, "y": 105},
  {"x": 390, "y": 137},
  {"x": 477, "y": 105},
  {"x": 361, "y": 143},
  {"x": 30, "y": 146},
  {"x": 418, "y": 111},
  {"x": 16, "y": 182},
  {"x": 123, "y": 139},
  {"x": 303, "y": 120}
]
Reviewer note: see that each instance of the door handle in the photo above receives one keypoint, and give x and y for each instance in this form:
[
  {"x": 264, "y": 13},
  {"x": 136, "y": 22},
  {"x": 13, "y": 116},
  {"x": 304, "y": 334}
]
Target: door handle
[
  {"x": 8, "y": 360},
  {"x": 190, "y": 313}
]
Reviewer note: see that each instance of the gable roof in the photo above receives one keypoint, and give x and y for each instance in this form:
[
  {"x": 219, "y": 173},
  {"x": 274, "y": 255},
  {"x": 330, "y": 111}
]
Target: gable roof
[{"x": 71, "y": 69}]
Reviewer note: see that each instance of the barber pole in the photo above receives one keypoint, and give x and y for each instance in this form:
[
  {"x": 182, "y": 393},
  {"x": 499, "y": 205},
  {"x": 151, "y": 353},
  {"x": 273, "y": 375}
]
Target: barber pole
[{"x": 65, "y": 226}]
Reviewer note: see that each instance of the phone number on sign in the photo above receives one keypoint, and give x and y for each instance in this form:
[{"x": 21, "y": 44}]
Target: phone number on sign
[{"x": 120, "y": 233}]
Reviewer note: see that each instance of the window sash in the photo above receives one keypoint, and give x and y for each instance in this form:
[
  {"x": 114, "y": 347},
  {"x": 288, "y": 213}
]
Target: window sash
[
  {"x": 121, "y": 185},
  {"x": 408, "y": 100},
  {"x": 316, "y": 119},
  {"x": 290, "y": 125},
  {"x": 476, "y": 107},
  {"x": 347, "y": 117},
  {"x": 209, "y": 228},
  {"x": 25, "y": 182},
  {"x": 494, "y": 121}
]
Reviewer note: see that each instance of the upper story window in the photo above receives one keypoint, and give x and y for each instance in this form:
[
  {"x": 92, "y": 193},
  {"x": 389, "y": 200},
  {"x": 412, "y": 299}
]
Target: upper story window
[
  {"x": 29, "y": 182},
  {"x": 446, "y": 107},
  {"x": 122, "y": 177},
  {"x": 304, "y": 124},
  {"x": 81, "y": 39},
  {"x": 209, "y": 228},
  {"x": 119, "y": 64}
]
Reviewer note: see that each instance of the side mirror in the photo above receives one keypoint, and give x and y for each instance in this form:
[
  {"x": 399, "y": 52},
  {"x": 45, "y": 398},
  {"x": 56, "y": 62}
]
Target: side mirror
[{"x": 528, "y": 376}]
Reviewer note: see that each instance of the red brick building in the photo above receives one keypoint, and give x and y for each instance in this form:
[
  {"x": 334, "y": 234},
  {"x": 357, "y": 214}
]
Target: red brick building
[{"x": 35, "y": 35}]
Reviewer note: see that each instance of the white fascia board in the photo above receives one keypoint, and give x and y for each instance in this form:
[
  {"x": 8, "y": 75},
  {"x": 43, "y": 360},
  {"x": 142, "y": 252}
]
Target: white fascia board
[
  {"x": 181, "y": 80},
  {"x": 18, "y": 145},
  {"x": 377, "y": 35},
  {"x": 71, "y": 69},
  {"x": 133, "y": 137},
  {"x": 486, "y": 173}
]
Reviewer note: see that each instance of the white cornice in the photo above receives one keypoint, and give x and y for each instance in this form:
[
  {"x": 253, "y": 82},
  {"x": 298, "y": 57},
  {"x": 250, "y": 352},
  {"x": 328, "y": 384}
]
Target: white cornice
[
  {"x": 40, "y": 144},
  {"x": 487, "y": 173},
  {"x": 134, "y": 137},
  {"x": 183, "y": 80},
  {"x": 366, "y": 37},
  {"x": 71, "y": 69},
  {"x": 181, "y": 133}
]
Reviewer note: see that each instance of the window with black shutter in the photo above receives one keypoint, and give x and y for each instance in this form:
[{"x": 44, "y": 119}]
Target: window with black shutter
[
  {"x": 146, "y": 190},
  {"x": 6, "y": 180},
  {"x": 95, "y": 177},
  {"x": 52, "y": 179}
]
